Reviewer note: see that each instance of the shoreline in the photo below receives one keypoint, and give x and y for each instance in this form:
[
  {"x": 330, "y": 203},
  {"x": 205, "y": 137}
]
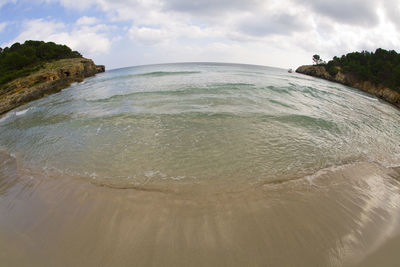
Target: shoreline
[{"x": 52, "y": 78}]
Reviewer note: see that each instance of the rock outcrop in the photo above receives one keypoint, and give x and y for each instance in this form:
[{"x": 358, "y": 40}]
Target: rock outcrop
[
  {"x": 52, "y": 78},
  {"x": 380, "y": 91}
]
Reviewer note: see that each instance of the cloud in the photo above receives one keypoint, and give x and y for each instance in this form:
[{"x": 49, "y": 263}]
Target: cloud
[
  {"x": 147, "y": 36},
  {"x": 279, "y": 24},
  {"x": 392, "y": 9},
  {"x": 39, "y": 29},
  {"x": 359, "y": 12},
  {"x": 154, "y": 12},
  {"x": 211, "y": 7},
  {"x": 87, "y": 21},
  {"x": 229, "y": 28},
  {"x": 89, "y": 40}
]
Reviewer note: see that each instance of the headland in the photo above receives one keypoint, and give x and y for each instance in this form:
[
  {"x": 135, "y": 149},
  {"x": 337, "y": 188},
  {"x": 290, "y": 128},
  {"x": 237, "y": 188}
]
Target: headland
[
  {"x": 377, "y": 73},
  {"x": 35, "y": 69},
  {"x": 52, "y": 78},
  {"x": 349, "y": 79}
]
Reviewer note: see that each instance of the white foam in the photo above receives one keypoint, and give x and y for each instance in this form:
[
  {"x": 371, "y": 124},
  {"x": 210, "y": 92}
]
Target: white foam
[{"x": 22, "y": 112}]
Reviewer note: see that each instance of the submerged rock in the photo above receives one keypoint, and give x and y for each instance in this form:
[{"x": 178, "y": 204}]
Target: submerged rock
[
  {"x": 351, "y": 80},
  {"x": 52, "y": 78}
]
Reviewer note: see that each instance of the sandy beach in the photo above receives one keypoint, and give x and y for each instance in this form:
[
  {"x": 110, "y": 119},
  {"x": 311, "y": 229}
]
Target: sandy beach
[{"x": 339, "y": 217}]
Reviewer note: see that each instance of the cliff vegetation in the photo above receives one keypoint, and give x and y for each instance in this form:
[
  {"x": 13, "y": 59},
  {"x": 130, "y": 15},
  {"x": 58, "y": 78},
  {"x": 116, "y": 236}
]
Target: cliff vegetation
[
  {"x": 20, "y": 60},
  {"x": 379, "y": 68}
]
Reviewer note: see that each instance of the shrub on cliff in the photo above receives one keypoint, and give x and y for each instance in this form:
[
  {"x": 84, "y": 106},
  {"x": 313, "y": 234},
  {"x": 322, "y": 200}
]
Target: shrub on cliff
[{"x": 22, "y": 59}]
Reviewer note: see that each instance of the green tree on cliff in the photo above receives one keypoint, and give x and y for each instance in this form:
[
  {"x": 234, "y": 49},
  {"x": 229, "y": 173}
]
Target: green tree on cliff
[
  {"x": 317, "y": 59},
  {"x": 381, "y": 67},
  {"x": 21, "y": 59}
]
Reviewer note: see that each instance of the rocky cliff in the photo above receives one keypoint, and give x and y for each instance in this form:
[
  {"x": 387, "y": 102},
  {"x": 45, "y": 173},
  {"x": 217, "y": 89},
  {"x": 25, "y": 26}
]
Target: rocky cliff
[
  {"x": 380, "y": 91},
  {"x": 52, "y": 78}
]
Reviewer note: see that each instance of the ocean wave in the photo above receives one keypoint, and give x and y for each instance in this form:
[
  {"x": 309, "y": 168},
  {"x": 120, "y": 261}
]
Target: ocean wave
[
  {"x": 110, "y": 77},
  {"x": 167, "y": 73},
  {"x": 217, "y": 88},
  {"x": 307, "y": 121}
]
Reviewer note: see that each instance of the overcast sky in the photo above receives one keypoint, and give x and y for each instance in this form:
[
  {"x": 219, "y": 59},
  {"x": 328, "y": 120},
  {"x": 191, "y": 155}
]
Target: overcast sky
[{"x": 280, "y": 33}]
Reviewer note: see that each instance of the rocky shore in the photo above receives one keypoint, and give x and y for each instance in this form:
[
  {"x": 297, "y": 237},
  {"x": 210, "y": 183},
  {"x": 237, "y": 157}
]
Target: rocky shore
[
  {"x": 52, "y": 78},
  {"x": 380, "y": 91}
]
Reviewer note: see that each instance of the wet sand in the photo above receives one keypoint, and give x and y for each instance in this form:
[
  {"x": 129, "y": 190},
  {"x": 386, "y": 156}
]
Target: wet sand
[{"x": 344, "y": 216}]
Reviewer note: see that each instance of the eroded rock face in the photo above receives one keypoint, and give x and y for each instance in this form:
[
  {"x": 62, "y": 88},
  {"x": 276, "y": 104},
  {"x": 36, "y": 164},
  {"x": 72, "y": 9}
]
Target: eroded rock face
[
  {"x": 380, "y": 91},
  {"x": 316, "y": 71},
  {"x": 54, "y": 77}
]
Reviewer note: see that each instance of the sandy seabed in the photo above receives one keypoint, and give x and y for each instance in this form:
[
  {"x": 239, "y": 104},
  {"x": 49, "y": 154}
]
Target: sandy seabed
[{"x": 343, "y": 216}]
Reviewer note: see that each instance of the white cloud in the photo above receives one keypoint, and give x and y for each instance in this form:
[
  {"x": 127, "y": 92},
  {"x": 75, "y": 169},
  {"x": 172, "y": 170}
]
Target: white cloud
[
  {"x": 355, "y": 12},
  {"x": 39, "y": 29},
  {"x": 277, "y": 24},
  {"x": 392, "y": 9},
  {"x": 89, "y": 40},
  {"x": 147, "y": 36},
  {"x": 155, "y": 21},
  {"x": 170, "y": 31},
  {"x": 211, "y": 7},
  {"x": 87, "y": 21}
]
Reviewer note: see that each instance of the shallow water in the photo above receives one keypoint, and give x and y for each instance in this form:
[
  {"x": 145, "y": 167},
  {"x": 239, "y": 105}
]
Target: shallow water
[
  {"x": 199, "y": 165},
  {"x": 201, "y": 123}
]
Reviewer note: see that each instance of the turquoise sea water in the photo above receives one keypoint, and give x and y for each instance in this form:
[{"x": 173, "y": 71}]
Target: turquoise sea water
[{"x": 201, "y": 123}]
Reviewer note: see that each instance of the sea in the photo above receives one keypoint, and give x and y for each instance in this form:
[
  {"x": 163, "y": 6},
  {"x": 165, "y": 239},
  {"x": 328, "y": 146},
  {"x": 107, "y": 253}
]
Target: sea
[{"x": 201, "y": 164}]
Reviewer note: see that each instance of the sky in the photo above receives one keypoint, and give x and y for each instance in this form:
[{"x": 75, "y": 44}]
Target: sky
[{"x": 278, "y": 33}]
